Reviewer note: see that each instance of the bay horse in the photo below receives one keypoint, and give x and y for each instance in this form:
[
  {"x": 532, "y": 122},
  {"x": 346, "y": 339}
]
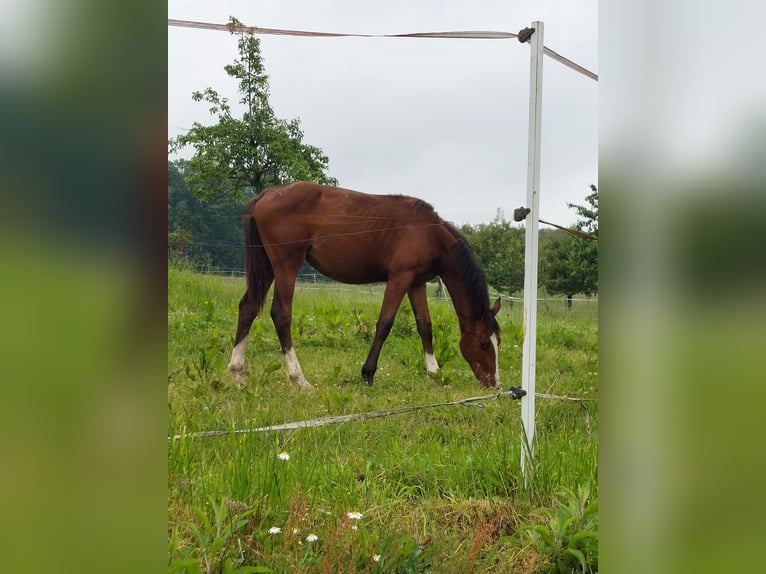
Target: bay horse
[{"x": 359, "y": 238}]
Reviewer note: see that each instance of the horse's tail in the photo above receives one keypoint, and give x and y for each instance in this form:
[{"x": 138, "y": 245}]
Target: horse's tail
[{"x": 258, "y": 269}]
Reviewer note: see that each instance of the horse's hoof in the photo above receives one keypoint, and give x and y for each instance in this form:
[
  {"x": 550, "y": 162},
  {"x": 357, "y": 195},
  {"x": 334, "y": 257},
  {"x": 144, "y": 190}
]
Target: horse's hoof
[
  {"x": 302, "y": 382},
  {"x": 368, "y": 375},
  {"x": 236, "y": 373}
]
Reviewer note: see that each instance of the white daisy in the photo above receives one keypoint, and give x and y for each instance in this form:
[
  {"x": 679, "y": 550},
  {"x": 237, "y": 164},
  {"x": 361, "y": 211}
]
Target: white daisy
[
  {"x": 376, "y": 557},
  {"x": 354, "y": 515},
  {"x": 275, "y": 530},
  {"x": 312, "y": 537},
  {"x": 283, "y": 455}
]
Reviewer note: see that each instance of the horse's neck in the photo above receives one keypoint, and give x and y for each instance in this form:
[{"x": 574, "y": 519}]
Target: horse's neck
[
  {"x": 453, "y": 273},
  {"x": 461, "y": 299}
]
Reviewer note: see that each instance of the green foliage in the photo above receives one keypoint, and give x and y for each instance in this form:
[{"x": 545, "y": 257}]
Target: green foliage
[
  {"x": 215, "y": 533},
  {"x": 569, "y": 265},
  {"x": 589, "y": 215},
  {"x": 411, "y": 556},
  {"x": 237, "y": 158},
  {"x": 202, "y": 234},
  {"x": 585, "y": 252},
  {"x": 558, "y": 266},
  {"x": 568, "y": 539}
]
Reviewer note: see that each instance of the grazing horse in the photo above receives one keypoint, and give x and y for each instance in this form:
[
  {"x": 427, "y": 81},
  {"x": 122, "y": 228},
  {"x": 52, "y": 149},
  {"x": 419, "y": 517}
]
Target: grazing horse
[{"x": 358, "y": 238}]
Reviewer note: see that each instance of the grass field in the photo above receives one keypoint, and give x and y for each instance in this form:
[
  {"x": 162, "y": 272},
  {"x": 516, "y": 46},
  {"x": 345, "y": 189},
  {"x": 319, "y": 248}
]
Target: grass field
[{"x": 436, "y": 490}]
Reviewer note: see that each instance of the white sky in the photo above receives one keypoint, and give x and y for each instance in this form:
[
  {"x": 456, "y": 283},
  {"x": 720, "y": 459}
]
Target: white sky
[{"x": 442, "y": 120}]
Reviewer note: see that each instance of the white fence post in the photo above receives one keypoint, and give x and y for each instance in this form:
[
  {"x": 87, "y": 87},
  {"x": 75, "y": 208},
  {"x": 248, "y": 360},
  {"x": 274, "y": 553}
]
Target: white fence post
[{"x": 531, "y": 243}]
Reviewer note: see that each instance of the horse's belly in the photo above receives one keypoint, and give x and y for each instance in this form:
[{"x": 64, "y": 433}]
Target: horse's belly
[{"x": 347, "y": 267}]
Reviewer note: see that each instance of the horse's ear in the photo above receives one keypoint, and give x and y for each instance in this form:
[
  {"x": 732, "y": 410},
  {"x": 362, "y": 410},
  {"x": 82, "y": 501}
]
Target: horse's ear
[{"x": 496, "y": 306}]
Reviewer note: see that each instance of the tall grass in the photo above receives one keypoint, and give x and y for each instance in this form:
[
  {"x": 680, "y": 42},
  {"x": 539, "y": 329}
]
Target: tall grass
[{"x": 439, "y": 490}]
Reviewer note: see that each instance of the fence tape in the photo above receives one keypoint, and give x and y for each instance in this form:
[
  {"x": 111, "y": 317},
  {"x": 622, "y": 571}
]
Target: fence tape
[
  {"x": 466, "y": 35},
  {"x": 255, "y": 30},
  {"x": 329, "y": 420}
]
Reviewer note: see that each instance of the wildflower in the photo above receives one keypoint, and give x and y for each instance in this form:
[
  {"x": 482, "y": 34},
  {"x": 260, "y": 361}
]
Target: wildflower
[
  {"x": 312, "y": 537},
  {"x": 354, "y": 527},
  {"x": 354, "y": 515},
  {"x": 275, "y": 530},
  {"x": 295, "y": 531},
  {"x": 376, "y": 557},
  {"x": 283, "y": 455}
]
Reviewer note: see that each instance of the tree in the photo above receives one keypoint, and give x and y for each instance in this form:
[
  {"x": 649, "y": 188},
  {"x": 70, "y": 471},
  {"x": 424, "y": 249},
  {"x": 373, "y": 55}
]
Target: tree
[
  {"x": 238, "y": 158},
  {"x": 557, "y": 268},
  {"x": 202, "y": 234},
  {"x": 569, "y": 265},
  {"x": 584, "y": 251}
]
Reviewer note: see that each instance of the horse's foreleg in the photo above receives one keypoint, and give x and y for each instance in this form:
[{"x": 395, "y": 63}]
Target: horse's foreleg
[
  {"x": 392, "y": 298},
  {"x": 282, "y": 315},
  {"x": 247, "y": 314},
  {"x": 419, "y": 301}
]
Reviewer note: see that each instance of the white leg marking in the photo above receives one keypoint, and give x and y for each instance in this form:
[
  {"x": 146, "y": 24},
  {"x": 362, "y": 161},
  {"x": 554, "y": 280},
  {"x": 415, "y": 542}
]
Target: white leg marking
[
  {"x": 431, "y": 365},
  {"x": 493, "y": 338},
  {"x": 294, "y": 369},
  {"x": 238, "y": 357}
]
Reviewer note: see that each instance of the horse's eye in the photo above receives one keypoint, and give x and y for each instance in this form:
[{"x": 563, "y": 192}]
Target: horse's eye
[{"x": 484, "y": 346}]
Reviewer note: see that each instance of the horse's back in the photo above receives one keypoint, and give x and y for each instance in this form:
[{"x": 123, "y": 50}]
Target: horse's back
[{"x": 304, "y": 198}]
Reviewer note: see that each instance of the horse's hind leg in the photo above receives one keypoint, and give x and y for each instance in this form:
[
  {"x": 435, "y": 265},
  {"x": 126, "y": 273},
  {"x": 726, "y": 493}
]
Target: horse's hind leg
[
  {"x": 282, "y": 315},
  {"x": 248, "y": 310},
  {"x": 419, "y": 301}
]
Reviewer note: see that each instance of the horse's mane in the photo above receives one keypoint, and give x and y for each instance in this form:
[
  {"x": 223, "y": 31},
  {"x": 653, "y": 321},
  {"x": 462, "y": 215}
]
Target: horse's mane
[
  {"x": 424, "y": 205},
  {"x": 416, "y": 203},
  {"x": 475, "y": 283}
]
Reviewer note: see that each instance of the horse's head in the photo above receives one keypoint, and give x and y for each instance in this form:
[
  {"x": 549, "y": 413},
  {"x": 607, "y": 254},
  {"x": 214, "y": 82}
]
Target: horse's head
[{"x": 480, "y": 347}]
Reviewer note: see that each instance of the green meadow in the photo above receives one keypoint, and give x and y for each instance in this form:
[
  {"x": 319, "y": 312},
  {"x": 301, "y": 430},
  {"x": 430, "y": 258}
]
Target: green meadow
[{"x": 437, "y": 490}]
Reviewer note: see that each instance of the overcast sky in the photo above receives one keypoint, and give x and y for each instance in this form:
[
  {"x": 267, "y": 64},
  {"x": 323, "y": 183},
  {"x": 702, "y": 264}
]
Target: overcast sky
[{"x": 442, "y": 120}]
